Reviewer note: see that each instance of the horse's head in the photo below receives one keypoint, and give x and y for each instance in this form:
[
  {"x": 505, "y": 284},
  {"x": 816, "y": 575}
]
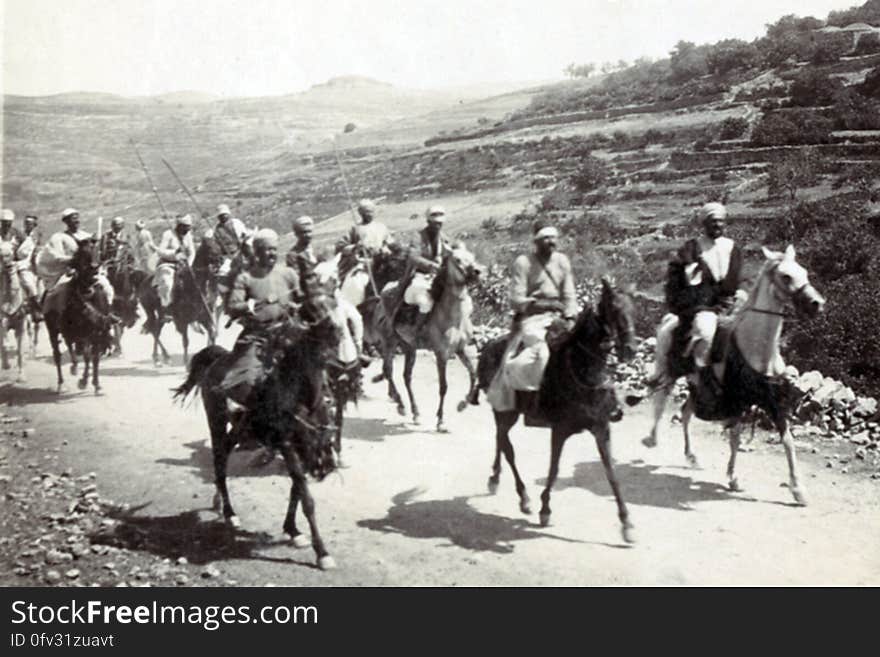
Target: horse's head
[
  {"x": 615, "y": 312},
  {"x": 86, "y": 262},
  {"x": 789, "y": 281},
  {"x": 460, "y": 267}
]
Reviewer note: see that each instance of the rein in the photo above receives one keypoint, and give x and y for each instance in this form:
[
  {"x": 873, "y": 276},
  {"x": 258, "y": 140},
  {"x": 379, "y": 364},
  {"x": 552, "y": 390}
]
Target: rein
[{"x": 777, "y": 313}]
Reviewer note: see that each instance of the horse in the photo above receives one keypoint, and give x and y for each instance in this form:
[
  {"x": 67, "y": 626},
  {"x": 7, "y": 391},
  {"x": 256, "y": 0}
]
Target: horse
[
  {"x": 295, "y": 380},
  {"x": 751, "y": 369},
  {"x": 126, "y": 281},
  {"x": 574, "y": 395},
  {"x": 86, "y": 321},
  {"x": 344, "y": 369},
  {"x": 13, "y": 308},
  {"x": 447, "y": 331},
  {"x": 188, "y": 306},
  {"x": 206, "y": 267}
]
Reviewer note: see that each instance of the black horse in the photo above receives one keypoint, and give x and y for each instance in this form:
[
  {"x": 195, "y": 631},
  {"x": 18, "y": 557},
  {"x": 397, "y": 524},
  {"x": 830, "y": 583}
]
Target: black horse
[
  {"x": 86, "y": 322},
  {"x": 575, "y": 394},
  {"x": 188, "y": 306},
  {"x": 283, "y": 417},
  {"x": 126, "y": 281}
]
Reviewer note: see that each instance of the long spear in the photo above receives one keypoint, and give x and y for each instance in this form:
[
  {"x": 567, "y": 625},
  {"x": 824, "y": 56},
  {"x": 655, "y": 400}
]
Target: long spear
[
  {"x": 366, "y": 261},
  {"x": 185, "y": 189},
  {"x": 149, "y": 179}
]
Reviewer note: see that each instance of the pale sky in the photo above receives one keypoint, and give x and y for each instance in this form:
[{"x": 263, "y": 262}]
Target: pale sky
[{"x": 269, "y": 47}]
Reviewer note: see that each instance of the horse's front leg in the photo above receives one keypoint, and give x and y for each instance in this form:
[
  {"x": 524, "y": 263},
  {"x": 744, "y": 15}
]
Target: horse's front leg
[
  {"x": 339, "y": 418},
  {"x": 687, "y": 414},
  {"x": 468, "y": 363},
  {"x": 388, "y": 373},
  {"x": 798, "y": 490},
  {"x": 87, "y": 361},
  {"x": 299, "y": 492},
  {"x": 733, "y": 434},
  {"x": 56, "y": 356},
  {"x": 409, "y": 362},
  {"x": 661, "y": 395},
  {"x": 19, "y": 336},
  {"x": 443, "y": 385},
  {"x": 96, "y": 359},
  {"x": 603, "y": 442},
  {"x": 74, "y": 366},
  {"x": 4, "y": 356},
  {"x": 184, "y": 336},
  {"x": 557, "y": 442}
]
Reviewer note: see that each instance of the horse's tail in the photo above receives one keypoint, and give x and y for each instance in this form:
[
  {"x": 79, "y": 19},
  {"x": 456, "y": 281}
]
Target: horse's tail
[{"x": 198, "y": 366}]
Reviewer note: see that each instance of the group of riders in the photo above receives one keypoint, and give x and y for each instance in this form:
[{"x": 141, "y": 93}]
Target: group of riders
[{"x": 258, "y": 290}]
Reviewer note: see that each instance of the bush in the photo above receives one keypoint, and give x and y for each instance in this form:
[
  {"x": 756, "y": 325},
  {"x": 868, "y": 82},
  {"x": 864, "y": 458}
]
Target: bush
[
  {"x": 590, "y": 174},
  {"x": 812, "y": 88},
  {"x": 792, "y": 127},
  {"x": 733, "y": 128},
  {"x": 868, "y": 44}
]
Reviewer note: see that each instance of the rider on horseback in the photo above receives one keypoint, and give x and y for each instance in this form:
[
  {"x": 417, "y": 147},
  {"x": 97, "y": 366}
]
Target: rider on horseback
[
  {"x": 301, "y": 257},
  {"x": 363, "y": 242},
  {"x": 114, "y": 245},
  {"x": 231, "y": 237},
  {"x": 55, "y": 260},
  {"x": 25, "y": 255},
  {"x": 542, "y": 293},
  {"x": 22, "y": 249},
  {"x": 703, "y": 282},
  {"x": 175, "y": 250},
  {"x": 260, "y": 297},
  {"x": 424, "y": 263}
]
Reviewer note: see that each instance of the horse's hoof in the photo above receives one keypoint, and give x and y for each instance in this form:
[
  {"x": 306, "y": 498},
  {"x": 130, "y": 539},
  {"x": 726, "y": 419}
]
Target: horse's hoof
[
  {"x": 692, "y": 460},
  {"x": 300, "y": 541},
  {"x": 99, "y": 391},
  {"x": 733, "y": 486},
  {"x": 463, "y": 404},
  {"x": 157, "y": 363},
  {"x": 544, "y": 517},
  {"x": 628, "y": 533},
  {"x": 73, "y": 369},
  {"x": 326, "y": 563},
  {"x": 233, "y": 522},
  {"x": 441, "y": 427},
  {"x": 82, "y": 385},
  {"x": 650, "y": 441},
  {"x": 377, "y": 378},
  {"x": 799, "y": 496},
  {"x": 525, "y": 505},
  {"x": 61, "y": 389},
  {"x": 492, "y": 485},
  {"x": 401, "y": 411},
  {"x": 21, "y": 378}
]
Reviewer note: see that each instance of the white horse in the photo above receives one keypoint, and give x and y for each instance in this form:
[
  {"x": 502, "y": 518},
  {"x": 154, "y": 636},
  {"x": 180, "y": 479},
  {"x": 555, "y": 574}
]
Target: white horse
[
  {"x": 12, "y": 307},
  {"x": 752, "y": 372}
]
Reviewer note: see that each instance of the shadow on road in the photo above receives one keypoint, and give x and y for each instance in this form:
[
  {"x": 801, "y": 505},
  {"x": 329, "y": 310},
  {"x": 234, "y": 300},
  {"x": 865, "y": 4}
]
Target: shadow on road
[
  {"x": 372, "y": 429},
  {"x": 139, "y": 372},
  {"x": 201, "y": 459},
  {"x": 456, "y": 521},
  {"x": 186, "y": 535},
  {"x": 640, "y": 483},
  {"x": 15, "y": 396}
]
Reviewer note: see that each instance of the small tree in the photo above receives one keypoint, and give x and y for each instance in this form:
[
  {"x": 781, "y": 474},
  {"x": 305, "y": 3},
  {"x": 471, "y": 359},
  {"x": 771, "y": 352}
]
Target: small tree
[
  {"x": 580, "y": 71},
  {"x": 861, "y": 178},
  {"x": 789, "y": 175},
  {"x": 590, "y": 176}
]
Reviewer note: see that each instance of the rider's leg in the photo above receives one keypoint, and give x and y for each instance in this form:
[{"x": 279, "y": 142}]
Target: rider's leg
[{"x": 661, "y": 350}]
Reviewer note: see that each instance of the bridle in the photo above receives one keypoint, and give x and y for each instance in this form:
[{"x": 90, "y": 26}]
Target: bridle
[{"x": 789, "y": 295}]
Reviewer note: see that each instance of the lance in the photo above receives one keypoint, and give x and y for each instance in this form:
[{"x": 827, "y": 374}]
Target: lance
[
  {"x": 185, "y": 189},
  {"x": 366, "y": 261},
  {"x": 149, "y": 179}
]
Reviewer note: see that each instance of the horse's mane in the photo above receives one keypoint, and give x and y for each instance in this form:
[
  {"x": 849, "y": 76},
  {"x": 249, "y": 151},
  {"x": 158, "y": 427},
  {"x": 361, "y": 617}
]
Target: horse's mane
[{"x": 734, "y": 318}]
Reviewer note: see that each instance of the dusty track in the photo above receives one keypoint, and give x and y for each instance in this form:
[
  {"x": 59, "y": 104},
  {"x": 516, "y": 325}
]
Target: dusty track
[{"x": 413, "y": 508}]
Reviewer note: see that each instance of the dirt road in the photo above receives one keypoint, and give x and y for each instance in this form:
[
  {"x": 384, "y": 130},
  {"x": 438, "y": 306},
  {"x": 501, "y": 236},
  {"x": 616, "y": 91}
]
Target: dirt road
[{"x": 412, "y": 508}]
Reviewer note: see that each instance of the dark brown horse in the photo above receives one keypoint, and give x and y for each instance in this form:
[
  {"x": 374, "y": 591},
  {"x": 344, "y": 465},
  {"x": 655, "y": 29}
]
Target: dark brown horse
[
  {"x": 86, "y": 322},
  {"x": 126, "y": 281},
  {"x": 188, "y": 306},
  {"x": 575, "y": 395},
  {"x": 282, "y": 417}
]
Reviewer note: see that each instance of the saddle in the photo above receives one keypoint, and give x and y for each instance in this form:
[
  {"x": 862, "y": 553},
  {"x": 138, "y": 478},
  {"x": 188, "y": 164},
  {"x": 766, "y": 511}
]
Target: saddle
[{"x": 681, "y": 364}]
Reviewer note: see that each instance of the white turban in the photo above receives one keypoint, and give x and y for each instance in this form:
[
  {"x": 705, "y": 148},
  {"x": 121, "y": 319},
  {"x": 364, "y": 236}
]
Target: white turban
[
  {"x": 713, "y": 211},
  {"x": 266, "y": 237}
]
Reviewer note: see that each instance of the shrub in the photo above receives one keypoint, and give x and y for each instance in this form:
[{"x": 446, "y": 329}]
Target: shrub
[
  {"x": 812, "y": 88},
  {"x": 733, "y": 128},
  {"x": 792, "y": 127}
]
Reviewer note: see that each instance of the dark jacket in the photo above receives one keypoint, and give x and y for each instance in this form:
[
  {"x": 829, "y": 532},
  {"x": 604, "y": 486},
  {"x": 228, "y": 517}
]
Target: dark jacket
[{"x": 684, "y": 299}]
